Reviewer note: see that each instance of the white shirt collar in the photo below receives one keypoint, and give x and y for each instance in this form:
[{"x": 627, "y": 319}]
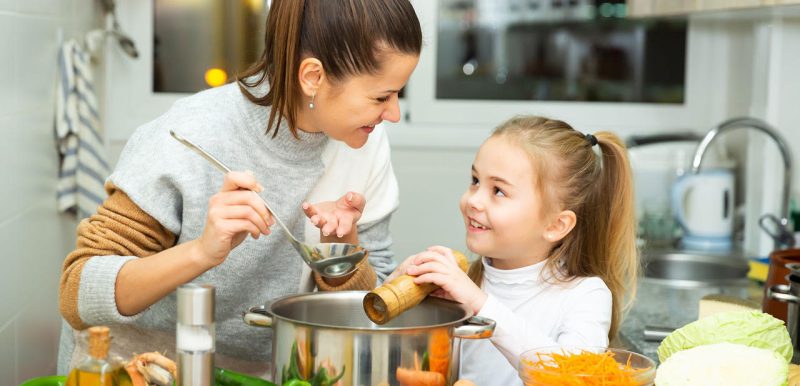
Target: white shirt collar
[{"x": 531, "y": 274}]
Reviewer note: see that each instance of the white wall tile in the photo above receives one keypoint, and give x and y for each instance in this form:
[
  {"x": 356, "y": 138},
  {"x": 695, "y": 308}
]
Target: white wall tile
[
  {"x": 8, "y": 6},
  {"x": 34, "y": 236},
  {"x": 36, "y": 242},
  {"x": 8, "y": 362},
  {"x": 10, "y": 301},
  {"x": 8, "y": 92},
  {"x": 86, "y": 15},
  {"x": 40, "y": 263},
  {"x": 114, "y": 151},
  {"x": 38, "y": 329},
  {"x": 35, "y": 55},
  {"x": 34, "y": 248},
  {"x": 81, "y": 17},
  {"x": 43, "y": 7},
  {"x": 35, "y": 168},
  {"x": 10, "y": 285}
]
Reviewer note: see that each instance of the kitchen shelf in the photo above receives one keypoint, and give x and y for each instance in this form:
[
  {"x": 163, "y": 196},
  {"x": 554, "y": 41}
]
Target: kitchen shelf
[{"x": 653, "y": 8}]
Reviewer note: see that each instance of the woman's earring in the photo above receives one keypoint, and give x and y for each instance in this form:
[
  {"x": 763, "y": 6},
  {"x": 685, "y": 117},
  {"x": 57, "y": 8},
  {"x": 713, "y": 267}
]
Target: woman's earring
[{"x": 311, "y": 104}]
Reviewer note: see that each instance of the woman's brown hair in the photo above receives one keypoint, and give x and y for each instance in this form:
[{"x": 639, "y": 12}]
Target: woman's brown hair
[
  {"x": 599, "y": 189},
  {"x": 347, "y": 36}
]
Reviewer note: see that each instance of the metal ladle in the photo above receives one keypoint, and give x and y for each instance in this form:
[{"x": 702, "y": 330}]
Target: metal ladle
[{"x": 328, "y": 259}]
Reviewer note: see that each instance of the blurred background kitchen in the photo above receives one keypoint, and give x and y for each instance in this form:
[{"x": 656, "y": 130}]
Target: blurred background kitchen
[{"x": 660, "y": 73}]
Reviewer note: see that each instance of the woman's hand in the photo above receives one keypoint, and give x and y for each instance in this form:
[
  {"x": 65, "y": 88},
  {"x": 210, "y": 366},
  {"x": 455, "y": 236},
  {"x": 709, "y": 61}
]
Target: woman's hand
[
  {"x": 437, "y": 265},
  {"x": 337, "y": 217},
  {"x": 233, "y": 213}
]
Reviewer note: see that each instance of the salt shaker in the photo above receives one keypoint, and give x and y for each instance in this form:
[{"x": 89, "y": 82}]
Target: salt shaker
[{"x": 195, "y": 335}]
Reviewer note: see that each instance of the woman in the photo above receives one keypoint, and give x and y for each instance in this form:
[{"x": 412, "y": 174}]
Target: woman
[{"x": 331, "y": 70}]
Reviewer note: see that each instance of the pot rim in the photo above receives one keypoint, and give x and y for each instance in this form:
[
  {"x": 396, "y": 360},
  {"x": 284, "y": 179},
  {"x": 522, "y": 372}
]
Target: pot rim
[{"x": 267, "y": 309}]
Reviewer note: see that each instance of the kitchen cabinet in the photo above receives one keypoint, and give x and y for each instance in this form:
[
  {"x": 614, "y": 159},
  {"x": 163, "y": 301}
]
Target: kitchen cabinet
[{"x": 646, "y": 8}]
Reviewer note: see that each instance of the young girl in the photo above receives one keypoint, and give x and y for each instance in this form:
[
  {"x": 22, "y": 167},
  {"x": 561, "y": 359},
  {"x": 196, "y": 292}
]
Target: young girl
[{"x": 551, "y": 211}]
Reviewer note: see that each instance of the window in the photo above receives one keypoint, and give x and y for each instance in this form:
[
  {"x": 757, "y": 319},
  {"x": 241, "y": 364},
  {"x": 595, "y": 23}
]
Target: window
[
  {"x": 204, "y": 43},
  {"x": 557, "y": 50},
  {"x": 487, "y": 60}
]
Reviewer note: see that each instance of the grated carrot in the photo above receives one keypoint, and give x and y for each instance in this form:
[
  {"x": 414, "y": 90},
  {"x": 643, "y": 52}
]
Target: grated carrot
[{"x": 579, "y": 369}]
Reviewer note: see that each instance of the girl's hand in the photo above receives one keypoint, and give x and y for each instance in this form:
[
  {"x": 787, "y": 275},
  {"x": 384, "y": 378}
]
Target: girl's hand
[
  {"x": 401, "y": 269},
  {"x": 233, "y": 213},
  {"x": 438, "y": 266},
  {"x": 336, "y": 217}
]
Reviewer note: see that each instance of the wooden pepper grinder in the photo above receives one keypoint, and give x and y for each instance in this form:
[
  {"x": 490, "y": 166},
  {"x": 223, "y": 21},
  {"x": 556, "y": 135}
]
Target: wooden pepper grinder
[{"x": 393, "y": 298}]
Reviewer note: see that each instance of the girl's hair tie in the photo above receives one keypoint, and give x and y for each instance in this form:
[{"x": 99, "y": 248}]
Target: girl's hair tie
[{"x": 591, "y": 138}]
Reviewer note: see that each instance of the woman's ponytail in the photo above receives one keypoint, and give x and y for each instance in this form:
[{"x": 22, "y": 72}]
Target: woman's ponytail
[{"x": 279, "y": 64}]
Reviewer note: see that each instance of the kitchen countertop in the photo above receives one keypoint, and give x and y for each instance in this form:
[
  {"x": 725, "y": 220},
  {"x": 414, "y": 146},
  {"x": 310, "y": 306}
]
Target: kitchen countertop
[{"x": 664, "y": 306}]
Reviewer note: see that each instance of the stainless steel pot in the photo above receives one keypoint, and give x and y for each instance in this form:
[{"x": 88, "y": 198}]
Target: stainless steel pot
[
  {"x": 790, "y": 294},
  {"x": 330, "y": 331}
]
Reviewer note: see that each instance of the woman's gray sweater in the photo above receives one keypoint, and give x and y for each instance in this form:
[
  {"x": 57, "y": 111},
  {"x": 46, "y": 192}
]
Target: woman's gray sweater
[{"x": 173, "y": 185}]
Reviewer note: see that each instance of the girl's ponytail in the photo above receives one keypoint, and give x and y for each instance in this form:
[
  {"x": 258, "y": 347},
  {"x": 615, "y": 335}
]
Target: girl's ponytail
[
  {"x": 613, "y": 199},
  {"x": 475, "y": 271}
]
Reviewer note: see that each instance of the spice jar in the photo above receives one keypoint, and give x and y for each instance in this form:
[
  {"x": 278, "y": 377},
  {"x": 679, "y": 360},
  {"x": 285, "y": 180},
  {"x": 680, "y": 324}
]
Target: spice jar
[{"x": 195, "y": 335}]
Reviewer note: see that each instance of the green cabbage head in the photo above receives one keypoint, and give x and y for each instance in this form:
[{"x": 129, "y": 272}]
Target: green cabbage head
[
  {"x": 723, "y": 364},
  {"x": 750, "y": 328}
]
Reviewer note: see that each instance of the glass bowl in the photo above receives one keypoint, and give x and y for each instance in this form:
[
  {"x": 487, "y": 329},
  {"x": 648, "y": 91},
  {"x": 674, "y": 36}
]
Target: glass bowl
[{"x": 559, "y": 366}]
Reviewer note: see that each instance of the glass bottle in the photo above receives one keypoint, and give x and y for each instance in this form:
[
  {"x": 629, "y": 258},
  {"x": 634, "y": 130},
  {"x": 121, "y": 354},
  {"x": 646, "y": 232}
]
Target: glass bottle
[{"x": 95, "y": 370}]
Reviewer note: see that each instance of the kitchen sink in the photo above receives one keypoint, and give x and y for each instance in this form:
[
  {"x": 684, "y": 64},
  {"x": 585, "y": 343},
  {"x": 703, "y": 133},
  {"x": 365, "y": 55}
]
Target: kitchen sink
[
  {"x": 674, "y": 282},
  {"x": 688, "y": 269}
]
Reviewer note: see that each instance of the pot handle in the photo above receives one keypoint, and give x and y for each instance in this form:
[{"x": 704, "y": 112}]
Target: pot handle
[
  {"x": 476, "y": 327},
  {"x": 781, "y": 293},
  {"x": 258, "y": 316}
]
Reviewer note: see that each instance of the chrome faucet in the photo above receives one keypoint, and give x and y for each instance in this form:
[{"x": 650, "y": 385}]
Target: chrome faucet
[{"x": 782, "y": 234}]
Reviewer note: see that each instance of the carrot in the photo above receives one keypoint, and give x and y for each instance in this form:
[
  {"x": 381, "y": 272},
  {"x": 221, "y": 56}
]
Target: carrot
[
  {"x": 408, "y": 377},
  {"x": 582, "y": 369},
  {"x": 304, "y": 363},
  {"x": 136, "y": 377},
  {"x": 439, "y": 352}
]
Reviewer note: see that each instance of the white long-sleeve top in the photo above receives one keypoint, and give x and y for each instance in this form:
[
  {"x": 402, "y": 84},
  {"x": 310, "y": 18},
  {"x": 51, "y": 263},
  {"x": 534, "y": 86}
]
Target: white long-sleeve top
[{"x": 531, "y": 313}]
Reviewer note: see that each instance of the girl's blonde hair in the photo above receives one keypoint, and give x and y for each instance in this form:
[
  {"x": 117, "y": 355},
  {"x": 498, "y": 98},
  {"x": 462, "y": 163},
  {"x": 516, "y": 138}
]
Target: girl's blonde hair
[{"x": 598, "y": 188}]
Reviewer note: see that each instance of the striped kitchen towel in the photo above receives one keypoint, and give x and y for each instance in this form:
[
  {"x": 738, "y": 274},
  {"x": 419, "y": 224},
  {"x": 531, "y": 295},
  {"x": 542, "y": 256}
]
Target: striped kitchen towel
[{"x": 80, "y": 143}]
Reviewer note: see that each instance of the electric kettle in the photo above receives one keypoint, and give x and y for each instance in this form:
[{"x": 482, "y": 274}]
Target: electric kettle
[{"x": 703, "y": 205}]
